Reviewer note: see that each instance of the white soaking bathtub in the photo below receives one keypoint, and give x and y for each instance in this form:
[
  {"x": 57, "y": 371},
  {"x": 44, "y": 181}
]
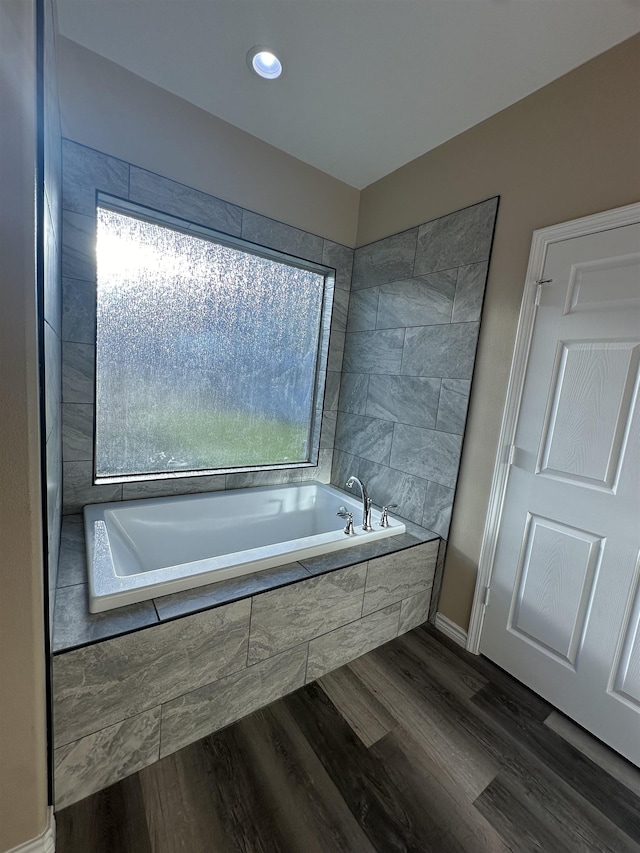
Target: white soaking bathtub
[{"x": 138, "y": 550}]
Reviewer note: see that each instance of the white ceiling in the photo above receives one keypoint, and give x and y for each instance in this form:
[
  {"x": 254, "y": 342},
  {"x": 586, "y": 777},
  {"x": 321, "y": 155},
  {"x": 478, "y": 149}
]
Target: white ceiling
[{"x": 369, "y": 84}]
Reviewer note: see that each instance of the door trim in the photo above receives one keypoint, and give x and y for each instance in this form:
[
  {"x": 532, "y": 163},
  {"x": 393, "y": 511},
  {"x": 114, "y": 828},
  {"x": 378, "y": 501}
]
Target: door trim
[{"x": 542, "y": 239}]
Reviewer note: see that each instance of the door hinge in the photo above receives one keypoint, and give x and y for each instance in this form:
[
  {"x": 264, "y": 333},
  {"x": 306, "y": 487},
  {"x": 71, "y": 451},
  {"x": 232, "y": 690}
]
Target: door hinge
[
  {"x": 487, "y": 593},
  {"x": 511, "y": 452},
  {"x": 538, "y": 294}
]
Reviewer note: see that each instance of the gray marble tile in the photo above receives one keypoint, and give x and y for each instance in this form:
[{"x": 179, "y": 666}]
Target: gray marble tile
[
  {"x": 341, "y": 259},
  {"x": 78, "y": 311},
  {"x": 424, "y": 301},
  {"x": 340, "y": 309},
  {"x": 390, "y": 259},
  {"x": 344, "y": 644},
  {"x": 53, "y": 264},
  {"x": 320, "y": 472},
  {"x": 53, "y": 378},
  {"x": 437, "y": 509},
  {"x": 277, "y": 235},
  {"x": 437, "y": 580},
  {"x": 399, "y": 576},
  {"x": 196, "y": 714},
  {"x": 247, "y": 479},
  {"x": 345, "y": 465},
  {"x": 357, "y": 554},
  {"x": 369, "y": 438},
  {"x": 467, "y": 305},
  {"x": 363, "y": 309},
  {"x": 336, "y": 351},
  {"x": 353, "y": 393},
  {"x": 422, "y": 534},
  {"x": 426, "y": 453},
  {"x": 414, "y": 611},
  {"x": 374, "y": 352},
  {"x": 405, "y": 399},
  {"x": 172, "y": 486},
  {"x": 332, "y": 390},
  {"x": 193, "y": 600},
  {"x": 286, "y": 617},
  {"x": 77, "y": 432},
  {"x": 77, "y": 373},
  {"x": 104, "y": 757},
  {"x": 75, "y": 626},
  {"x": 85, "y": 170},
  {"x": 184, "y": 202},
  {"x": 448, "y": 351},
  {"x": 460, "y": 238},
  {"x": 78, "y": 489},
  {"x": 388, "y": 486},
  {"x": 78, "y": 246},
  {"x": 99, "y": 685},
  {"x": 72, "y": 565},
  {"x": 452, "y": 405},
  {"x": 328, "y": 432}
]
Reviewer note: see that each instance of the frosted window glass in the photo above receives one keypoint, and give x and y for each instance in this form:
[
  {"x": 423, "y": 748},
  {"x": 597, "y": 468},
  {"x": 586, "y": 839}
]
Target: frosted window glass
[{"x": 206, "y": 354}]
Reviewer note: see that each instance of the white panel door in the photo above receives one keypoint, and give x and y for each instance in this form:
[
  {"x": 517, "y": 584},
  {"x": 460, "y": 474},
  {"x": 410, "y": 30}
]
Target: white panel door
[{"x": 564, "y": 606}]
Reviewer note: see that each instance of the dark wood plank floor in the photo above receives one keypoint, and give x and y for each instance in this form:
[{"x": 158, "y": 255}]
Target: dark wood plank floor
[{"x": 417, "y": 746}]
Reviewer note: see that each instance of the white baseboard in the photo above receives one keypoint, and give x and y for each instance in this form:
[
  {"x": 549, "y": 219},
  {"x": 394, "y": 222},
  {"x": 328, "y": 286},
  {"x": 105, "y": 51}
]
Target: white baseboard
[
  {"x": 45, "y": 843},
  {"x": 451, "y": 630}
]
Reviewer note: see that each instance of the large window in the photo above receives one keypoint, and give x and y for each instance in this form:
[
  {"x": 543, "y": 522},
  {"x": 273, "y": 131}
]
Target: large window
[{"x": 210, "y": 354}]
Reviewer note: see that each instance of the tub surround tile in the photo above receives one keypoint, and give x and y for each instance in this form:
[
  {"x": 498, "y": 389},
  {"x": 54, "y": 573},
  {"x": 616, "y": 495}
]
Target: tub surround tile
[
  {"x": 458, "y": 239},
  {"x": 168, "y": 488},
  {"x": 77, "y": 432},
  {"x": 196, "y": 714},
  {"x": 353, "y": 393},
  {"x": 84, "y": 169},
  {"x": 336, "y": 350},
  {"x": 421, "y": 301},
  {"x": 357, "y": 554},
  {"x": 344, "y": 644},
  {"x": 100, "y": 684},
  {"x": 390, "y": 259},
  {"x": 437, "y": 508},
  {"x": 53, "y": 378},
  {"x": 77, "y": 373},
  {"x": 340, "y": 310},
  {"x": 75, "y": 626},
  {"x": 78, "y": 246},
  {"x": 363, "y": 309},
  {"x": 78, "y": 311},
  {"x": 328, "y": 432},
  {"x": 78, "y": 490},
  {"x": 426, "y": 453},
  {"x": 331, "y": 391},
  {"x": 399, "y": 576},
  {"x": 452, "y": 405},
  {"x": 369, "y": 438},
  {"x": 374, "y": 352},
  {"x": 340, "y": 258},
  {"x": 285, "y": 238},
  {"x": 286, "y": 617},
  {"x": 472, "y": 279},
  {"x": 345, "y": 465},
  {"x": 388, "y": 486},
  {"x": 193, "y": 600},
  {"x": 264, "y": 478},
  {"x": 72, "y": 568},
  {"x": 414, "y": 611},
  {"x": 100, "y": 759},
  {"x": 404, "y": 399},
  {"x": 447, "y": 351},
  {"x": 184, "y": 202}
]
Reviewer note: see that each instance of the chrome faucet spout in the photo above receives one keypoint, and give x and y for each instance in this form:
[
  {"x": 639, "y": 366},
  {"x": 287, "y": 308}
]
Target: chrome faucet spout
[{"x": 366, "y": 502}]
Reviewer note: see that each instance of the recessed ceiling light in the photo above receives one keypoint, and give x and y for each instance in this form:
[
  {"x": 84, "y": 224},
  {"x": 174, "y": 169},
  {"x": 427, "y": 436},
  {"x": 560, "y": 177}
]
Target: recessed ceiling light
[{"x": 264, "y": 62}]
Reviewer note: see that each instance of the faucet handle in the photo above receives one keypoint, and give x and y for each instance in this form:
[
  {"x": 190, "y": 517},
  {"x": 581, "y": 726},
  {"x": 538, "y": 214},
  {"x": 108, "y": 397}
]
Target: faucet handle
[
  {"x": 384, "y": 518},
  {"x": 343, "y": 512}
]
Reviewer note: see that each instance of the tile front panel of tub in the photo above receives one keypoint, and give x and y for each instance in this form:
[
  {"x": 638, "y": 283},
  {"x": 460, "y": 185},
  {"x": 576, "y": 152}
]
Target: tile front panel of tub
[{"x": 201, "y": 672}]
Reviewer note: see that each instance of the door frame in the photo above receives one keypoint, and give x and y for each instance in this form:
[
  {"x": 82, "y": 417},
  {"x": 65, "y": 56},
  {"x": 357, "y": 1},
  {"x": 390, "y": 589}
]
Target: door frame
[{"x": 542, "y": 239}]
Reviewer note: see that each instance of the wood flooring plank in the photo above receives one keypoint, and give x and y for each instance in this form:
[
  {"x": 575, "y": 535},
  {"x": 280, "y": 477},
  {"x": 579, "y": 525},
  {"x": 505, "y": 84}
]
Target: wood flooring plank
[
  {"x": 361, "y": 778},
  {"x": 461, "y": 825},
  {"x": 311, "y": 814},
  {"x": 368, "y": 717},
  {"x": 111, "y": 821},
  {"x": 620, "y": 804},
  {"x": 448, "y": 668}
]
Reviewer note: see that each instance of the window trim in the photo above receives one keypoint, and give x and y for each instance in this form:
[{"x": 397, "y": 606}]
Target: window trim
[{"x": 156, "y": 217}]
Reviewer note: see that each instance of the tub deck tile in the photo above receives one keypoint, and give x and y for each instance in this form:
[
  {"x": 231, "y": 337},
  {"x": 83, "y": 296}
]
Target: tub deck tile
[{"x": 358, "y": 553}]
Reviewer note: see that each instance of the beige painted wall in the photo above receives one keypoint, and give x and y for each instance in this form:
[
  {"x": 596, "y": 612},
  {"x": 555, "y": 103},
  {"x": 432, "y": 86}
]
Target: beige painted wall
[
  {"x": 106, "y": 107},
  {"x": 23, "y": 783},
  {"x": 569, "y": 150}
]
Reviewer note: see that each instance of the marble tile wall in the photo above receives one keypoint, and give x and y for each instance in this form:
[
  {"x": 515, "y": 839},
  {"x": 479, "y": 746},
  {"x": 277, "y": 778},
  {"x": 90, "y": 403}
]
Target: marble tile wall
[
  {"x": 409, "y": 353},
  {"x": 51, "y": 322},
  {"x": 84, "y": 171},
  {"x": 122, "y": 703}
]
